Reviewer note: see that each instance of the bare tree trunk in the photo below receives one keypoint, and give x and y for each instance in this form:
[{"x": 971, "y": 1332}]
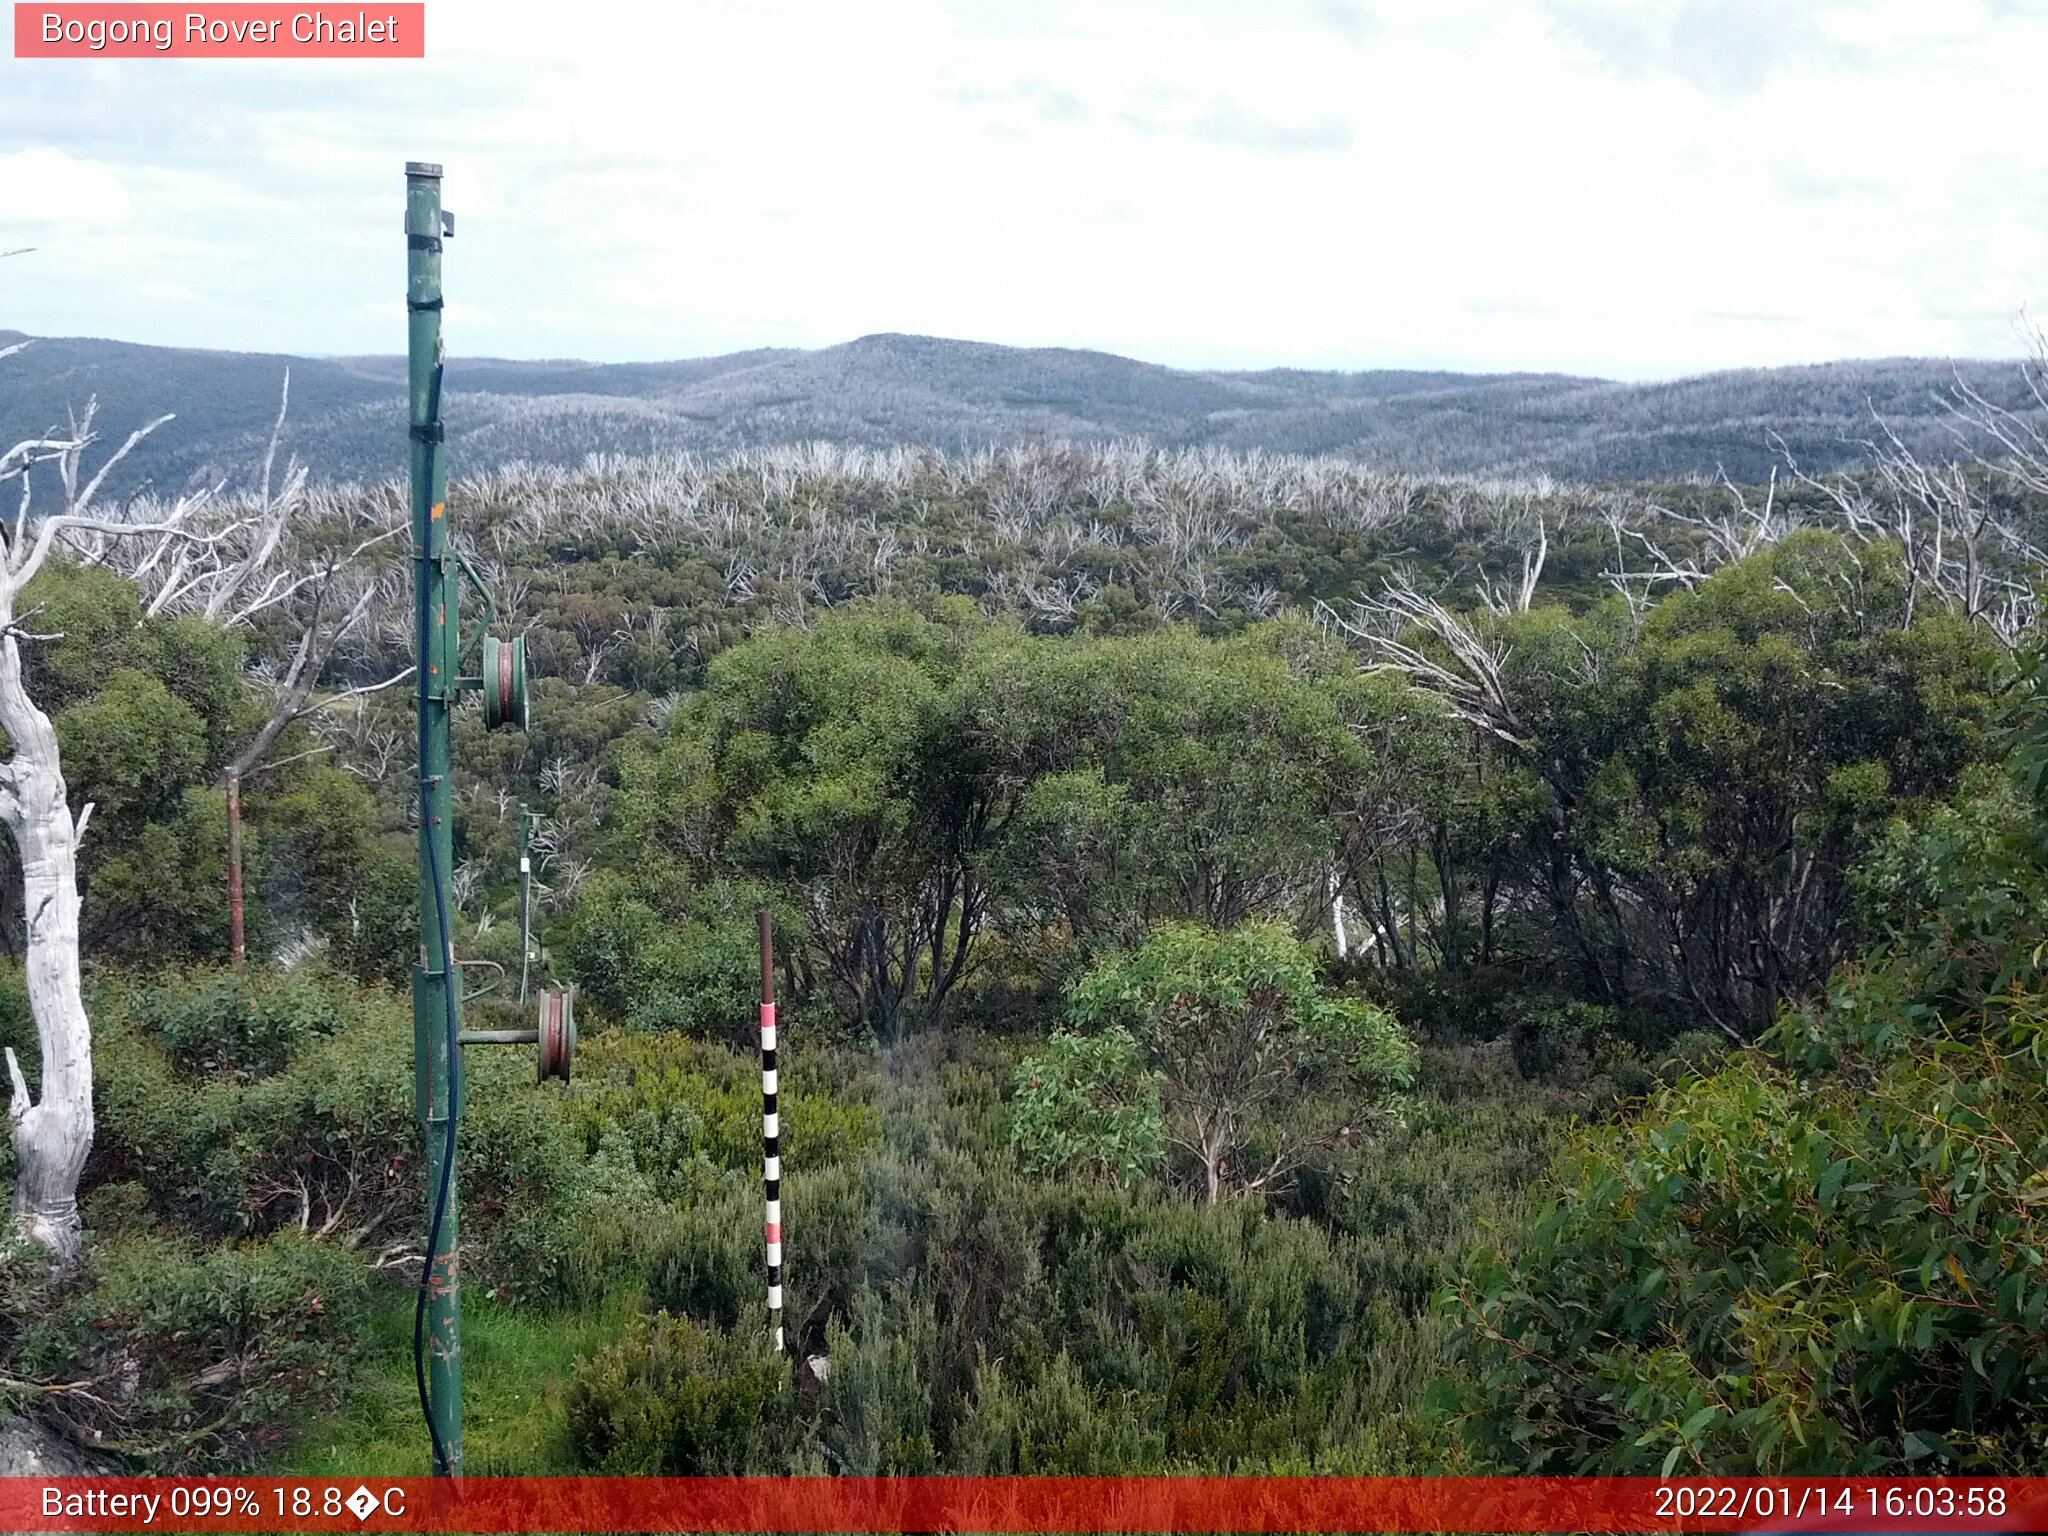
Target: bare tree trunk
[
  {"x": 1212, "y": 1146},
  {"x": 53, "y": 1134}
]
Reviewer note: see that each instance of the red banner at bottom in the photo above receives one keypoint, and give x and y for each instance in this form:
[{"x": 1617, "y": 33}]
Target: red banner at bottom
[{"x": 1024, "y": 1504}]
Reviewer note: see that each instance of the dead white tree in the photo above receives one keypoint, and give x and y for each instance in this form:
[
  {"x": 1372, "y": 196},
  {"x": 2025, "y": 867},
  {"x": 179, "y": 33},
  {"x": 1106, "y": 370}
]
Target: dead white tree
[
  {"x": 1957, "y": 541},
  {"x": 1644, "y": 561},
  {"x": 52, "y": 1128},
  {"x": 1961, "y": 541},
  {"x": 1497, "y": 598},
  {"x": 1411, "y": 633},
  {"x": 52, "y": 1133}
]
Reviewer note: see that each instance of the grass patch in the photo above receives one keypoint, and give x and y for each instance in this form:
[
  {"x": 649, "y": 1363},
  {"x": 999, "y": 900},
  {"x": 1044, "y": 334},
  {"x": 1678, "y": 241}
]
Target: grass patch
[{"x": 516, "y": 1365}]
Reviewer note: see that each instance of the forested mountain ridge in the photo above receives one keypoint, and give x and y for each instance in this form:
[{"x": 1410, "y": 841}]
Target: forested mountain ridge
[{"x": 886, "y": 390}]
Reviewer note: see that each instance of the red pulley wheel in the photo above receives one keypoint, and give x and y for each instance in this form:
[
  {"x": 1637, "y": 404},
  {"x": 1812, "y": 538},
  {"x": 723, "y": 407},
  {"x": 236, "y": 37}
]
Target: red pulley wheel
[
  {"x": 557, "y": 1047},
  {"x": 504, "y": 682}
]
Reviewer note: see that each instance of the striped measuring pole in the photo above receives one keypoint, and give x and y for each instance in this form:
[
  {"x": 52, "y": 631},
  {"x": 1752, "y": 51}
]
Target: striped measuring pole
[{"x": 771, "y": 1129}]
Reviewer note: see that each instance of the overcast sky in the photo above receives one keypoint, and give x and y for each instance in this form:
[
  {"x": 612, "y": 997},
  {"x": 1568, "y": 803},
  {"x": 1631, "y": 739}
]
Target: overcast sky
[{"x": 1636, "y": 188}]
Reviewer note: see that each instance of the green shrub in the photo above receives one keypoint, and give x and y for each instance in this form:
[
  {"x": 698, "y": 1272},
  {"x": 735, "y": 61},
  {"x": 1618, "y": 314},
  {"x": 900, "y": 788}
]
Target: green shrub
[
  {"x": 601, "y": 1227},
  {"x": 329, "y": 1142},
  {"x": 1828, "y": 1256},
  {"x": 676, "y": 1398},
  {"x": 241, "y": 1023},
  {"x": 875, "y": 1411},
  {"x": 1260, "y": 1070},
  {"x": 696, "y": 971},
  {"x": 1473, "y": 1146},
  {"x": 377, "y": 943},
  {"x": 1054, "y": 1426},
  {"x": 847, "y": 1227},
  {"x": 693, "y": 1111},
  {"x": 196, "y": 1358},
  {"x": 1768, "y": 1276},
  {"x": 712, "y": 1265}
]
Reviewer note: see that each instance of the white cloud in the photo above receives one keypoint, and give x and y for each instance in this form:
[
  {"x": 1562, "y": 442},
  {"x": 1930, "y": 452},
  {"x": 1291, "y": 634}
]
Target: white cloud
[
  {"x": 1638, "y": 187},
  {"x": 49, "y": 188}
]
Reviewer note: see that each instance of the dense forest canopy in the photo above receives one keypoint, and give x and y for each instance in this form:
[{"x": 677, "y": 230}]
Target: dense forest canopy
[{"x": 1212, "y": 889}]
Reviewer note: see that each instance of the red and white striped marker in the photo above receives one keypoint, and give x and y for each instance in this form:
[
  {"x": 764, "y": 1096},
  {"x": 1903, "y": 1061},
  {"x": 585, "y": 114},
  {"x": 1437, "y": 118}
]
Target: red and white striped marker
[{"x": 771, "y": 1129}]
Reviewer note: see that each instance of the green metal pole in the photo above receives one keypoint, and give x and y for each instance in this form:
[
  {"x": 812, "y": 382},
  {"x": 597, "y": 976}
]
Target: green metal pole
[{"x": 436, "y": 990}]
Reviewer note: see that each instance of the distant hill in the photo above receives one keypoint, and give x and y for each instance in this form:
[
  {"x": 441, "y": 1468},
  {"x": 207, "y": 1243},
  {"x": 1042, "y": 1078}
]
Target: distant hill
[{"x": 347, "y": 413}]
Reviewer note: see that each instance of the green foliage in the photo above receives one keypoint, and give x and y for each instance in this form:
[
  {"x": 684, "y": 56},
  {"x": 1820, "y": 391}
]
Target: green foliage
[
  {"x": 195, "y": 1357},
  {"x": 691, "y": 1112},
  {"x": 959, "y": 817},
  {"x": 102, "y": 633},
  {"x": 317, "y": 866},
  {"x": 237, "y": 1023},
  {"x": 1239, "y": 1028},
  {"x": 311, "y": 1126},
  {"x": 1828, "y": 1257},
  {"x": 695, "y": 968},
  {"x": 1715, "y": 772},
  {"x": 874, "y": 1414},
  {"x": 1612, "y": 1053},
  {"x": 149, "y": 711},
  {"x": 674, "y": 1398},
  {"x": 1053, "y": 1426},
  {"x": 710, "y": 1268},
  {"x": 242, "y": 1103},
  {"x": 1087, "y": 1106},
  {"x": 1770, "y": 1277},
  {"x": 146, "y": 710},
  {"x": 160, "y": 892},
  {"x": 569, "y": 1231},
  {"x": 1187, "y": 778},
  {"x": 1221, "y": 1329},
  {"x": 897, "y": 776},
  {"x": 377, "y": 941},
  {"x": 981, "y": 1319},
  {"x": 835, "y": 766},
  {"x": 132, "y": 746}
]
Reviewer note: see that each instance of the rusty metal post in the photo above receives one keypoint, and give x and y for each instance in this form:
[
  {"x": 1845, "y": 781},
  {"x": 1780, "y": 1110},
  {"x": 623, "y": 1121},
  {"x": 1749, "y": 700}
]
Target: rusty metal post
[{"x": 236, "y": 947}]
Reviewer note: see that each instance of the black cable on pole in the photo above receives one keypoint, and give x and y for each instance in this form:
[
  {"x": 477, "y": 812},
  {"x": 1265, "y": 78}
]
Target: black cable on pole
[{"x": 419, "y": 1313}]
